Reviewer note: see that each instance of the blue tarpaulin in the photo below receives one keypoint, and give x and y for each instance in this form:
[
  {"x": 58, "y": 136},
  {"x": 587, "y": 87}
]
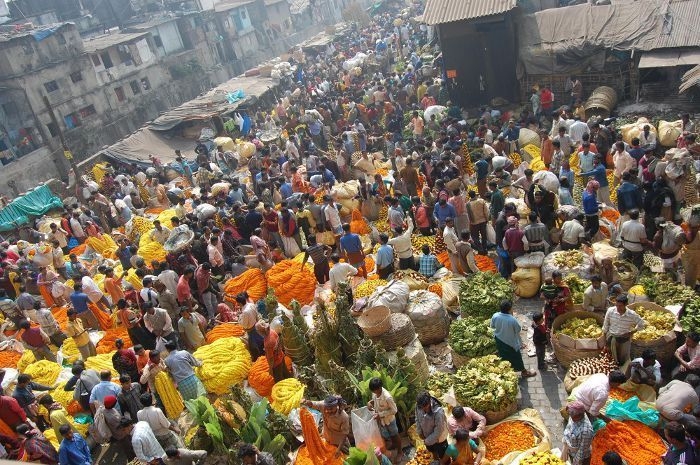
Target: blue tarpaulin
[
  {"x": 44, "y": 32},
  {"x": 34, "y": 203}
]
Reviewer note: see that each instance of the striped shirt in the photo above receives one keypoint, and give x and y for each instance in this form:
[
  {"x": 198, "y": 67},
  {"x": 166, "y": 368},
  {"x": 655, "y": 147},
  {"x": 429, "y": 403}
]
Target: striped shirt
[
  {"x": 616, "y": 324},
  {"x": 317, "y": 253},
  {"x": 536, "y": 233}
]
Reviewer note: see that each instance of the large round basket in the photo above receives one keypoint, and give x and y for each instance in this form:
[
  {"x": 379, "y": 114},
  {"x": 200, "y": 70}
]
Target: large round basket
[
  {"x": 435, "y": 330},
  {"x": 416, "y": 354},
  {"x": 664, "y": 346},
  {"x": 400, "y": 334},
  {"x": 564, "y": 352},
  {"x": 500, "y": 415},
  {"x": 627, "y": 273},
  {"x": 375, "y": 321},
  {"x": 458, "y": 360}
]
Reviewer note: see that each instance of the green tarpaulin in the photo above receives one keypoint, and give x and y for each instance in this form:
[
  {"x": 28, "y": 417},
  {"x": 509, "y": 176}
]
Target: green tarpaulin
[{"x": 34, "y": 203}]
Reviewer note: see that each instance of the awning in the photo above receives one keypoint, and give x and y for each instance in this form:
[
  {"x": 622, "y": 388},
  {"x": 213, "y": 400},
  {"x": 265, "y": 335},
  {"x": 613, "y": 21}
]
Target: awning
[{"x": 669, "y": 58}]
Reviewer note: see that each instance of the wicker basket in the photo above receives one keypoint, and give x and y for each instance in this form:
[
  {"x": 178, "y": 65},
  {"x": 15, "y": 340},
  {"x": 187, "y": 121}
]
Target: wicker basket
[
  {"x": 400, "y": 334},
  {"x": 628, "y": 279},
  {"x": 565, "y": 355},
  {"x": 433, "y": 331},
  {"x": 500, "y": 415},
  {"x": 664, "y": 347},
  {"x": 458, "y": 360},
  {"x": 416, "y": 354},
  {"x": 375, "y": 321}
]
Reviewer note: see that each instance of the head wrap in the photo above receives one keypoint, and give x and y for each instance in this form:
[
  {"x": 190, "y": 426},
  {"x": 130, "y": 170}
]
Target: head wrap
[
  {"x": 333, "y": 401},
  {"x": 110, "y": 401},
  {"x": 576, "y": 408}
]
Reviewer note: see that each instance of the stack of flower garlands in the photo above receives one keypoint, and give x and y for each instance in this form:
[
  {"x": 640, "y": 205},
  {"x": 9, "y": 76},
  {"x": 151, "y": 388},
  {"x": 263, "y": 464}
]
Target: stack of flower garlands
[
  {"x": 260, "y": 379},
  {"x": 225, "y": 363},
  {"x": 252, "y": 280},
  {"x": 224, "y": 330},
  {"x": 292, "y": 281}
]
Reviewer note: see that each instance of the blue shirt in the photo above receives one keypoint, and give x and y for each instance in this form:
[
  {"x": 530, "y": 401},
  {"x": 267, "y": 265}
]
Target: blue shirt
[
  {"x": 507, "y": 329},
  {"x": 599, "y": 174},
  {"x": 568, "y": 174},
  {"x": 80, "y": 302},
  {"x": 286, "y": 190},
  {"x": 428, "y": 265},
  {"x": 590, "y": 203},
  {"x": 512, "y": 134},
  {"x": 637, "y": 153},
  {"x": 181, "y": 363},
  {"x": 104, "y": 389},
  {"x": 350, "y": 243},
  {"x": 629, "y": 197},
  {"x": 482, "y": 169},
  {"x": 125, "y": 257},
  {"x": 565, "y": 197},
  {"x": 385, "y": 256},
  {"x": 74, "y": 452},
  {"x": 328, "y": 177},
  {"x": 441, "y": 213}
]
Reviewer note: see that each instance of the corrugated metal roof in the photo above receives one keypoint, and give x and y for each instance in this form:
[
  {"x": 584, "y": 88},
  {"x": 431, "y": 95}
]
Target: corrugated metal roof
[
  {"x": 678, "y": 26},
  {"x": 690, "y": 79},
  {"x": 447, "y": 11}
]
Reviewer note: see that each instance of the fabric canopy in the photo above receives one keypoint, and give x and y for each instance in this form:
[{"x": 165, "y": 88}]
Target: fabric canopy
[
  {"x": 562, "y": 40},
  {"x": 669, "y": 58},
  {"x": 144, "y": 142},
  {"x": 34, "y": 203}
]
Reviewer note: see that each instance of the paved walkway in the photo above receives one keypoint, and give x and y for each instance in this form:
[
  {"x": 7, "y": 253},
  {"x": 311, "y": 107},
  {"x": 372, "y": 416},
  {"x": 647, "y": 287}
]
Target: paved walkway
[{"x": 544, "y": 392}]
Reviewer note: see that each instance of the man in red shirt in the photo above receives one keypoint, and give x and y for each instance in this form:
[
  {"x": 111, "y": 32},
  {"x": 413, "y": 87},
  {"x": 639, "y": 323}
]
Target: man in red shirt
[
  {"x": 273, "y": 351},
  {"x": 37, "y": 341},
  {"x": 546, "y": 100},
  {"x": 184, "y": 293},
  {"x": 513, "y": 244},
  {"x": 11, "y": 413}
]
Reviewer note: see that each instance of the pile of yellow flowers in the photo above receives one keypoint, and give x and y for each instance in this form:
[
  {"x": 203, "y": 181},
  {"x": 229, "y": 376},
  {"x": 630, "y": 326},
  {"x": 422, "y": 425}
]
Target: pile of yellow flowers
[
  {"x": 287, "y": 395},
  {"x": 541, "y": 458},
  {"x": 658, "y": 324},
  {"x": 151, "y": 250},
  {"x": 26, "y": 360},
  {"x": 367, "y": 288},
  {"x": 225, "y": 363},
  {"x": 536, "y": 162},
  {"x": 62, "y": 396},
  {"x": 169, "y": 395},
  {"x": 515, "y": 158},
  {"x": 101, "y": 362},
  {"x": 70, "y": 350},
  {"x": 44, "y": 372}
]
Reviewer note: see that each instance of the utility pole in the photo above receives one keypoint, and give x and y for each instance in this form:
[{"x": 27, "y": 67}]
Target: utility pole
[{"x": 66, "y": 151}]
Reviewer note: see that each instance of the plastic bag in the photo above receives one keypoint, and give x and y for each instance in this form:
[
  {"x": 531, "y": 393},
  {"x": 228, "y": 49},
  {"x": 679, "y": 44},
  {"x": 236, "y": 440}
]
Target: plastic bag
[
  {"x": 160, "y": 344},
  {"x": 630, "y": 410},
  {"x": 366, "y": 430}
]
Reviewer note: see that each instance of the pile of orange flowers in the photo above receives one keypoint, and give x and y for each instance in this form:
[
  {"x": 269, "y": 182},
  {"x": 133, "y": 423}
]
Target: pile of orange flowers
[
  {"x": 436, "y": 288},
  {"x": 485, "y": 263},
  {"x": 9, "y": 358},
  {"x": 507, "y": 437},
  {"x": 315, "y": 450},
  {"x": 620, "y": 394},
  {"x": 292, "y": 282},
  {"x": 252, "y": 281},
  {"x": 224, "y": 330},
  {"x": 106, "y": 344},
  {"x": 634, "y": 441}
]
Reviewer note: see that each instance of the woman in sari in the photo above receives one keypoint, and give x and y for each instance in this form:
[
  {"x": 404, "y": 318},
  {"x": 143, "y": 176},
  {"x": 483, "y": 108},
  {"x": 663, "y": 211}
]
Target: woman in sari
[{"x": 46, "y": 280}]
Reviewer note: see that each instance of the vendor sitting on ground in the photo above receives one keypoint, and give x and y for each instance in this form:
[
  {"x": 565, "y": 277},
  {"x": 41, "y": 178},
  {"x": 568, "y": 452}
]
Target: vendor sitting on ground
[
  {"x": 594, "y": 392},
  {"x": 678, "y": 399},
  {"x": 336, "y": 422},
  {"x": 645, "y": 369},
  {"x": 465, "y": 418}
]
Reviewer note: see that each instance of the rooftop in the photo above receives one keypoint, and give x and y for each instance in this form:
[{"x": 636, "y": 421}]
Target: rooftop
[
  {"x": 150, "y": 23},
  {"x": 96, "y": 44},
  {"x": 231, "y": 4},
  {"x": 10, "y": 32},
  {"x": 447, "y": 11}
]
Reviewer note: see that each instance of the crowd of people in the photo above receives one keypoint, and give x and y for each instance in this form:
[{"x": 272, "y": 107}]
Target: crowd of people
[{"x": 428, "y": 176}]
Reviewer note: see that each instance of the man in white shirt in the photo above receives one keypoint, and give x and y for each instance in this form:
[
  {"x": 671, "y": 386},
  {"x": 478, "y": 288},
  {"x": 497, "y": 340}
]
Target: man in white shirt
[
  {"x": 647, "y": 139},
  {"x": 340, "y": 272},
  {"x": 216, "y": 258},
  {"x": 577, "y": 129},
  {"x": 634, "y": 239},
  {"x": 58, "y": 234},
  {"x": 145, "y": 444},
  {"x": 594, "y": 392},
  {"x": 148, "y": 294},
  {"x": 595, "y": 297},
  {"x": 159, "y": 233},
  {"x": 622, "y": 161},
  {"x": 401, "y": 242},
  {"x": 95, "y": 294},
  {"x": 451, "y": 239},
  {"x": 618, "y": 327},
  {"x": 645, "y": 369},
  {"x": 161, "y": 427},
  {"x": 77, "y": 227},
  {"x": 332, "y": 216},
  {"x": 169, "y": 278},
  {"x": 572, "y": 233}
]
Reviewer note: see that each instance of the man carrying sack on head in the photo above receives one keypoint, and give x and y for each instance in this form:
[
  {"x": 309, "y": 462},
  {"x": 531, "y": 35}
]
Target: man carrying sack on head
[{"x": 618, "y": 327}]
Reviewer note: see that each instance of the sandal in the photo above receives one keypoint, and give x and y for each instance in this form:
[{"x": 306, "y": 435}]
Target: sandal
[{"x": 528, "y": 374}]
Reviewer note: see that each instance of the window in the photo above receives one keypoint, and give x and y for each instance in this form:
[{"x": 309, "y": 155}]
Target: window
[
  {"x": 51, "y": 86},
  {"x": 135, "y": 87},
  {"x": 145, "y": 84},
  {"x": 157, "y": 41},
  {"x": 76, "y": 77},
  {"x": 87, "y": 111},
  {"x": 72, "y": 120},
  {"x": 53, "y": 129},
  {"x": 96, "y": 60},
  {"x": 10, "y": 109},
  {"x": 106, "y": 59},
  {"x": 61, "y": 39},
  {"x": 121, "y": 96},
  {"x": 242, "y": 14}
]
